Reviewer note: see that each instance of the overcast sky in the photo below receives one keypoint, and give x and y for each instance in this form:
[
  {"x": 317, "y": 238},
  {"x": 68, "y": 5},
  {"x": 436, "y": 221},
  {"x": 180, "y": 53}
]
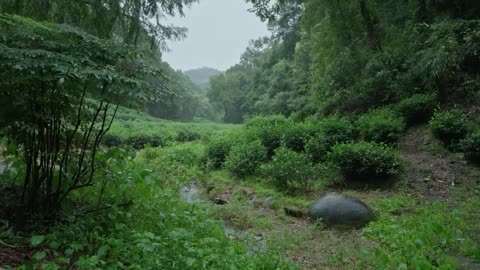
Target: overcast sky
[{"x": 218, "y": 33}]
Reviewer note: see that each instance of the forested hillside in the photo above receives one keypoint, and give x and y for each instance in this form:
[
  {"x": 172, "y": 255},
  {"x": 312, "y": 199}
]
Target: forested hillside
[
  {"x": 350, "y": 138},
  {"x": 348, "y": 57},
  {"x": 183, "y": 101},
  {"x": 201, "y": 76}
]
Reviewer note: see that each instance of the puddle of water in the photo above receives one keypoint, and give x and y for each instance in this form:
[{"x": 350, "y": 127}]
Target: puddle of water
[
  {"x": 255, "y": 244},
  {"x": 191, "y": 193}
]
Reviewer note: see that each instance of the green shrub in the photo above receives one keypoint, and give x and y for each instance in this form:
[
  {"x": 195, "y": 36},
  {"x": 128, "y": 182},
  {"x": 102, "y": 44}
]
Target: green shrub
[
  {"x": 141, "y": 140},
  {"x": 449, "y": 127},
  {"x": 112, "y": 140},
  {"x": 326, "y": 133},
  {"x": 187, "y": 136},
  {"x": 148, "y": 234},
  {"x": 290, "y": 169},
  {"x": 470, "y": 146},
  {"x": 329, "y": 126},
  {"x": 417, "y": 109},
  {"x": 218, "y": 149},
  {"x": 244, "y": 158},
  {"x": 365, "y": 160},
  {"x": 381, "y": 126},
  {"x": 317, "y": 148},
  {"x": 295, "y": 136},
  {"x": 270, "y": 130},
  {"x": 159, "y": 139}
]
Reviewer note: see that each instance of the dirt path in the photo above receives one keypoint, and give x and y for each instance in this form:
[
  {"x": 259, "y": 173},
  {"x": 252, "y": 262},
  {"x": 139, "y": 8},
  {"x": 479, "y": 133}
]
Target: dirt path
[{"x": 431, "y": 172}]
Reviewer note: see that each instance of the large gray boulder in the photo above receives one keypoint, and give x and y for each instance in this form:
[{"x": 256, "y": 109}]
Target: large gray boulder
[{"x": 336, "y": 209}]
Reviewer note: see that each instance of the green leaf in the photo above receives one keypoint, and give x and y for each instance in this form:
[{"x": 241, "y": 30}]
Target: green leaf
[
  {"x": 102, "y": 250},
  {"x": 69, "y": 252},
  {"x": 36, "y": 240},
  {"x": 39, "y": 255}
]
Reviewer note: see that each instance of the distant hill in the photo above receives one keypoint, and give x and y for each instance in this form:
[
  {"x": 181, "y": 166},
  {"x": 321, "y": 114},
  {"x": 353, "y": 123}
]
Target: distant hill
[{"x": 201, "y": 76}]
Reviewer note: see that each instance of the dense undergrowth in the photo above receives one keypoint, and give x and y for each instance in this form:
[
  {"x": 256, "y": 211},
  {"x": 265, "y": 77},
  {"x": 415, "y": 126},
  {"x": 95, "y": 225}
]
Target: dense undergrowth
[
  {"x": 137, "y": 221},
  {"x": 326, "y": 103},
  {"x": 134, "y": 218}
]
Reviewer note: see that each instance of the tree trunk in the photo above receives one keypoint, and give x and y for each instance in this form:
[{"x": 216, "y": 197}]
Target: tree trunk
[
  {"x": 422, "y": 11},
  {"x": 374, "y": 42}
]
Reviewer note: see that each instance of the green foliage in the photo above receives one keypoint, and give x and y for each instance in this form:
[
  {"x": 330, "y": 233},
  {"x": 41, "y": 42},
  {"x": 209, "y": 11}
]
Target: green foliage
[
  {"x": 365, "y": 161},
  {"x": 426, "y": 239},
  {"x": 381, "y": 126},
  {"x": 325, "y": 133},
  {"x": 138, "y": 129},
  {"x": 270, "y": 130},
  {"x": 218, "y": 149},
  {"x": 155, "y": 230},
  {"x": 60, "y": 90},
  {"x": 187, "y": 136},
  {"x": 183, "y": 102},
  {"x": 139, "y": 141},
  {"x": 178, "y": 162},
  {"x": 290, "y": 170},
  {"x": 449, "y": 127},
  {"x": 354, "y": 56},
  {"x": 295, "y": 136},
  {"x": 417, "y": 109},
  {"x": 245, "y": 158},
  {"x": 470, "y": 146},
  {"x": 108, "y": 19}
]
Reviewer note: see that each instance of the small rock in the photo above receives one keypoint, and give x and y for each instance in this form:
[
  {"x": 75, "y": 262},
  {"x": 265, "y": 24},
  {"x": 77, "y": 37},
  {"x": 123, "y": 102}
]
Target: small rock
[
  {"x": 293, "y": 211},
  {"x": 268, "y": 202},
  {"x": 252, "y": 200},
  {"x": 248, "y": 191},
  {"x": 219, "y": 201}
]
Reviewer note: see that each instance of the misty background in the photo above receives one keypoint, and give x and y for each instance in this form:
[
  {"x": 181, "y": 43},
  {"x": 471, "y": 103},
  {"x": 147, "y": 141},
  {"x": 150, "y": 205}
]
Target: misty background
[{"x": 218, "y": 33}]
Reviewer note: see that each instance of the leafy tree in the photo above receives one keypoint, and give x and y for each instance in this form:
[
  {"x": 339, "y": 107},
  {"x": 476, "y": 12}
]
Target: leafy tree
[
  {"x": 131, "y": 21},
  {"x": 60, "y": 92},
  {"x": 182, "y": 99}
]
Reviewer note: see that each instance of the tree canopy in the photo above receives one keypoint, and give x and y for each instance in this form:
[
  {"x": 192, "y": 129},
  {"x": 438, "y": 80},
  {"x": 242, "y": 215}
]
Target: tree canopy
[
  {"x": 131, "y": 21},
  {"x": 351, "y": 56},
  {"x": 60, "y": 91}
]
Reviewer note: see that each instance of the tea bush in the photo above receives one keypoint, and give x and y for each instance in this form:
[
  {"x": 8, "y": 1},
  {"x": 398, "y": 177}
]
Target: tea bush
[
  {"x": 244, "y": 158},
  {"x": 417, "y": 109},
  {"x": 112, "y": 140},
  {"x": 365, "y": 160},
  {"x": 218, "y": 148},
  {"x": 139, "y": 141},
  {"x": 470, "y": 146},
  {"x": 270, "y": 130},
  {"x": 295, "y": 137},
  {"x": 381, "y": 126},
  {"x": 449, "y": 127},
  {"x": 290, "y": 170},
  {"x": 187, "y": 136},
  {"x": 330, "y": 131},
  {"x": 177, "y": 162}
]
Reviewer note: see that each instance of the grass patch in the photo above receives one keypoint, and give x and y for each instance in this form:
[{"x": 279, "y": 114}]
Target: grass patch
[{"x": 428, "y": 237}]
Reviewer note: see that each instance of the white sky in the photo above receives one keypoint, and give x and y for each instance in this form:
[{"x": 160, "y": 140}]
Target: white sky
[{"x": 219, "y": 31}]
